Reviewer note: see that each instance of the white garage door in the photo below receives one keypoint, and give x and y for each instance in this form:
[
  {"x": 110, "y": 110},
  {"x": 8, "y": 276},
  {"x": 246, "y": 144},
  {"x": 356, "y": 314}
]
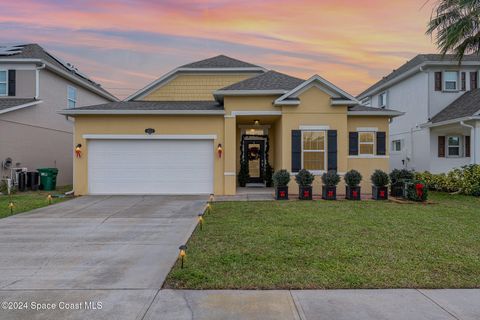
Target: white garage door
[{"x": 150, "y": 166}]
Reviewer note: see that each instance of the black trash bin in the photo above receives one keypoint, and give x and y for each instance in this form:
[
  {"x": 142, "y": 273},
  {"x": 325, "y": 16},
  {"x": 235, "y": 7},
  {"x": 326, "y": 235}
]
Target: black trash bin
[
  {"x": 22, "y": 181},
  {"x": 33, "y": 180}
]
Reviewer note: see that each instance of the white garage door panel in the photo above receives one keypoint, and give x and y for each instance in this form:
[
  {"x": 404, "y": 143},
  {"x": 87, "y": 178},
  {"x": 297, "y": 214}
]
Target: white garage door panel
[{"x": 150, "y": 166}]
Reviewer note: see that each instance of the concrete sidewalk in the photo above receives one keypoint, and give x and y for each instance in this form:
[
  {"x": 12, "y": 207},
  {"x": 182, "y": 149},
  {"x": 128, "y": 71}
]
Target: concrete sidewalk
[{"x": 401, "y": 304}]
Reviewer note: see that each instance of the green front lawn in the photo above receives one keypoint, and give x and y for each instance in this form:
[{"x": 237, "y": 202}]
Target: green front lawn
[
  {"x": 26, "y": 201},
  {"x": 336, "y": 244}
]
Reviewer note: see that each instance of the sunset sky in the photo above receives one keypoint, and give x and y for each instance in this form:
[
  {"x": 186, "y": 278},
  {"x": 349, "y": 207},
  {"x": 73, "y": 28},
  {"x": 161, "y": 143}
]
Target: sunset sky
[{"x": 125, "y": 44}]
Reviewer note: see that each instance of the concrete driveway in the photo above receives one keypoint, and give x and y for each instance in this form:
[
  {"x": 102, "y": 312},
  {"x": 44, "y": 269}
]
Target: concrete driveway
[{"x": 113, "y": 250}]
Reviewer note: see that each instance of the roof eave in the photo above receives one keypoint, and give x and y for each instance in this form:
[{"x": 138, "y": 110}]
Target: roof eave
[
  {"x": 447, "y": 122},
  {"x": 76, "y": 112},
  {"x": 21, "y": 106},
  {"x": 221, "y": 93},
  {"x": 391, "y": 114}
]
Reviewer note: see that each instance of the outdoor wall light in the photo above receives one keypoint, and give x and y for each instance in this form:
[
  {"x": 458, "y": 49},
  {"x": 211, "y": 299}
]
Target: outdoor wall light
[
  {"x": 256, "y": 122},
  {"x": 78, "y": 150},
  {"x": 200, "y": 220},
  {"x": 183, "y": 253},
  {"x": 219, "y": 150}
]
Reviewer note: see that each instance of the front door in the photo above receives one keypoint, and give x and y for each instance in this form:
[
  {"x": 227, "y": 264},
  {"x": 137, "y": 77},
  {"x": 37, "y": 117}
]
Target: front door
[{"x": 254, "y": 154}]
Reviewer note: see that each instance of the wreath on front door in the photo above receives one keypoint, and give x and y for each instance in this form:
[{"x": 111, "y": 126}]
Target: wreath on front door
[{"x": 253, "y": 153}]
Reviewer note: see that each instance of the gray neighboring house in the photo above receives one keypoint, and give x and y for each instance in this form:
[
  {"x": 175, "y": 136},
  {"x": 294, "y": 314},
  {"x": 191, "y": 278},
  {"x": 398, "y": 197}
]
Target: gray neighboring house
[
  {"x": 441, "y": 101},
  {"x": 34, "y": 85}
]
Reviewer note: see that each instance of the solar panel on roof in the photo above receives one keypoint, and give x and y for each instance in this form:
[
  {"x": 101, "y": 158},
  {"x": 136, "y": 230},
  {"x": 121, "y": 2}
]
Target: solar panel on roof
[{"x": 7, "y": 50}]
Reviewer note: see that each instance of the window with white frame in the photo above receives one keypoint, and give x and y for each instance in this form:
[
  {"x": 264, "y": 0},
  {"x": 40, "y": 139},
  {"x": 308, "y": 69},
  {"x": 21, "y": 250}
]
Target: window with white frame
[
  {"x": 314, "y": 150},
  {"x": 454, "y": 146},
  {"x": 382, "y": 99},
  {"x": 366, "y": 143},
  {"x": 3, "y": 83},
  {"x": 450, "y": 79},
  {"x": 396, "y": 145},
  {"x": 71, "y": 96}
]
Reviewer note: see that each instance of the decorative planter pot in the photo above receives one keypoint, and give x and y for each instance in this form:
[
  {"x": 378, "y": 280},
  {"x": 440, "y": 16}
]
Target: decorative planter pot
[
  {"x": 397, "y": 189},
  {"x": 305, "y": 192},
  {"x": 281, "y": 193},
  {"x": 352, "y": 193},
  {"x": 379, "y": 193},
  {"x": 329, "y": 192}
]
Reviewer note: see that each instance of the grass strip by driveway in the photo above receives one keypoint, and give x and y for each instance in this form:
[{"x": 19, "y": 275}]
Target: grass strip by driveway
[
  {"x": 26, "y": 201},
  {"x": 336, "y": 244}
]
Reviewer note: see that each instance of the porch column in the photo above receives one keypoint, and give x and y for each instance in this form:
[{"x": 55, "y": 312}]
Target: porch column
[{"x": 230, "y": 155}]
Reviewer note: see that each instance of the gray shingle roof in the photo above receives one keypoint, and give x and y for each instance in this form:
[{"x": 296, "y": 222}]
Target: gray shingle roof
[
  {"x": 220, "y": 61},
  {"x": 416, "y": 61},
  {"x": 6, "y": 103},
  {"x": 270, "y": 80},
  {"x": 466, "y": 105},
  {"x": 34, "y": 51},
  {"x": 372, "y": 109},
  {"x": 156, "y": 105}
]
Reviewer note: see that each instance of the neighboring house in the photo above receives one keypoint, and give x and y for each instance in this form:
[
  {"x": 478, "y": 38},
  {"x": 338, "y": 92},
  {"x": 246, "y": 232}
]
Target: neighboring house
[
  {"x": 441, "y": 126},
  {"x": 187, "y": 132},
  {"x": 34, "y": 85}
]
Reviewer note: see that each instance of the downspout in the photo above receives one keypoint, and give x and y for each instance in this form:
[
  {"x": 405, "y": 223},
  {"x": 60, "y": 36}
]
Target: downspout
[
  {"x": 472, "y": 141},
  {"x": 37, "y": 80}
]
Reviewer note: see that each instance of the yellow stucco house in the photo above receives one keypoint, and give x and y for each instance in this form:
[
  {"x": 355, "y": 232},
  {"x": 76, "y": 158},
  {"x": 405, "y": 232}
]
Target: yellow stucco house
[{"x": 187, "y": 132}]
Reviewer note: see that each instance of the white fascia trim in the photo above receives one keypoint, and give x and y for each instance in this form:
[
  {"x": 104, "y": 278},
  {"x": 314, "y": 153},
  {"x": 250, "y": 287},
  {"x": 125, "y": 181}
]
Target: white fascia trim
[
  {"x": 151, "y": 137},
  {"x": 320, "y": 128},
  {"x": 343, "y": 102},
  {"x": 438, "y": 124},
  {"x": 146, "y": 90},
  {"x": 255, "y": 113},
  {"x": 25, "y": 105},
  {"x": 229, "y": 174},
  {"x": 220, "y": 93},
  {"x": 325, "y": 82},
  {"x": 367, "y": 129},
  {"x": 376, "y": 113},
  {"x": 287, "y": 103},
  {"x": 140, "y": 112},
  {"x": 368, "y": 156}
]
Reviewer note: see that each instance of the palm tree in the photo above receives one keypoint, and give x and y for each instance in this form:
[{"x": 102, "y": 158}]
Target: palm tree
[{"x": 456, "y": 25}]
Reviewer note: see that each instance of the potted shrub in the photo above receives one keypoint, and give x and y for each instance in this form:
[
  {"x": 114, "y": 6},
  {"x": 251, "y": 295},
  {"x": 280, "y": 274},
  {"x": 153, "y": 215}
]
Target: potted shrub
[
  {"x": 352, "y": 180},
  {"x": 398, "y": 178},
  {"x": 380, "y": 182},
  {"x": 330, "y": 180},
  {"x": 243, "y": 175},
  {"x": 281, "y": 179},
  {"x": 304, "y": 180}
]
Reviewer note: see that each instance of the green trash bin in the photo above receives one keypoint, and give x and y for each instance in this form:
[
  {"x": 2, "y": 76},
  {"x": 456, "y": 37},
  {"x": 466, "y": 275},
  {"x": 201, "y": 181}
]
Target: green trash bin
[{"x": 48, "y": 178}]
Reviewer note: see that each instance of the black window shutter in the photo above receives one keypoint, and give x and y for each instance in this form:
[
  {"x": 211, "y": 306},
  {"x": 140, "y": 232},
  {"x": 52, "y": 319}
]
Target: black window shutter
[
  {"x": 467, "y": 146},
  {"x": 381, "y": 143},
  {"x": 441, "y": 146},
  {"x": 353, "y": 143},
  {"x": 11, "y": 82},
  {"x": 296, "y": 150},
  {"x": 332, "y": 150},
  {"x": 473, "y": 80},
  {"x": 438, "y": 81},
  {"x": 464, "y": 81}
]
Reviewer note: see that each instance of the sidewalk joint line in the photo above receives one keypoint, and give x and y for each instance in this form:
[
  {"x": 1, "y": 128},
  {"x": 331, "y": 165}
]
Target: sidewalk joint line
[{"x": 435, "y": 302}]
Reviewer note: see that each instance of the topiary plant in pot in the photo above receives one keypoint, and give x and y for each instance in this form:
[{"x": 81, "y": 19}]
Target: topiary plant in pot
[
  {"x": 243, "y": 174},
  {"x": 380, "y": 181},
  {"x": 398, "y": 179},
  {"x": 281, "y": 179},
  {"x": 352, "y": 180},
  {"x": 304, "y": 180},
  {"x": 330, "y": 180}
]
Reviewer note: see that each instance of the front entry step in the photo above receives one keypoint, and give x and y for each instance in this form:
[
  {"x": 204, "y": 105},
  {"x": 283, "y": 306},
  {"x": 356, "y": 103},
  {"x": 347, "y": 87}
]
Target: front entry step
[{"x": 255, "y": 185}]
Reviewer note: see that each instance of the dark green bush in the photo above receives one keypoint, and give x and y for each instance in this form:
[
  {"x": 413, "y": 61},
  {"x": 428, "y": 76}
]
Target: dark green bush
[
  {"x": 380, "y": 178},
  {"x": 399, "y": 175},
  {"x": 304, "y": 178},
  {"x": 244, "y": 174},
  {"x": 352, "y": 178},
  {"x": 330, "y": 178},
  {"x": 281, "y": 178}
]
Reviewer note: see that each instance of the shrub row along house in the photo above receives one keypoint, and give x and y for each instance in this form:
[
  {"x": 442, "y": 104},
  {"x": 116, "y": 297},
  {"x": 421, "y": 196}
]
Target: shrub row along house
[{"x": 189, "y": 132}]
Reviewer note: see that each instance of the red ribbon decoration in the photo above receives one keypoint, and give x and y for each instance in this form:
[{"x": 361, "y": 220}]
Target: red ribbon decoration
[
  {"x": 306, "y": 194},
  {"x": 355, "y": 194},
  {"x": 419, "y": 189},
  {"x": 382, "y": 193},
  {"x": 282, "y": 194},
  {"x": 330, "y": 193}
]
